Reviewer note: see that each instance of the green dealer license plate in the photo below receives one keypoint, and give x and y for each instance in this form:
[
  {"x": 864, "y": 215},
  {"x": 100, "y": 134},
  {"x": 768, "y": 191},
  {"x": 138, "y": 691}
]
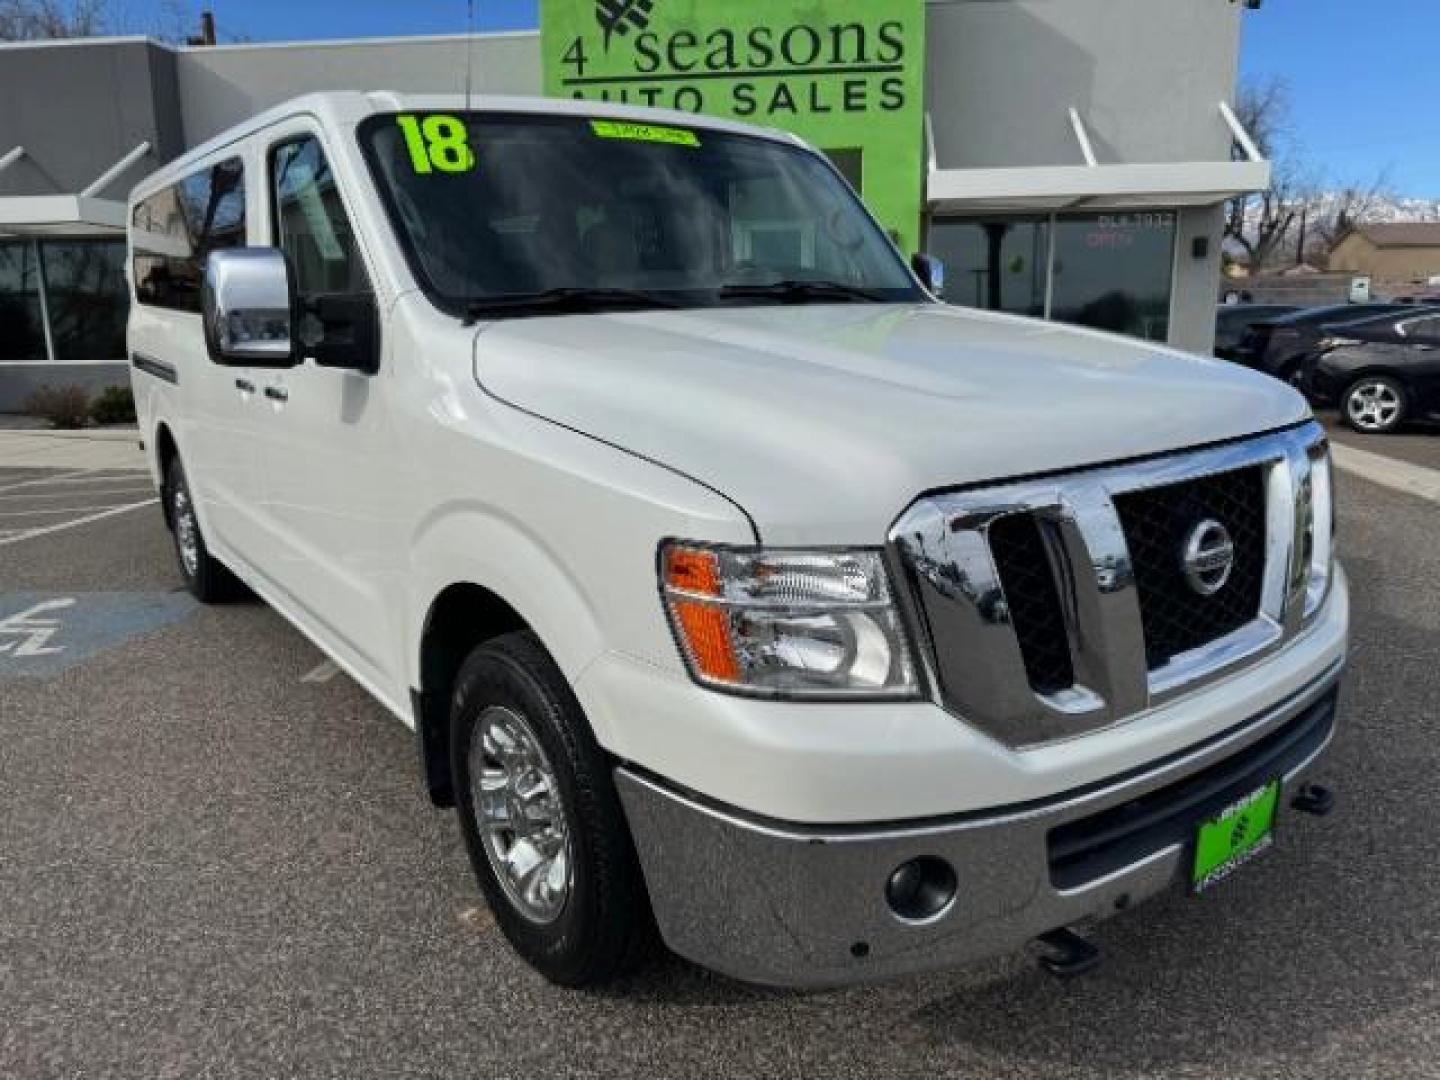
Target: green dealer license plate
[{"x": 1236, "y": 835}]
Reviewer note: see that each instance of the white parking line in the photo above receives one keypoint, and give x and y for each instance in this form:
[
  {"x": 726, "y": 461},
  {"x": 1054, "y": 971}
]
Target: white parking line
[
  {"x": 56, "y": 510},
  {"x": 124, "y": 477},
  {"x": 322, "y": 672},
  {"x": 27, "y": 495},
  {"x": 1388, "y": 472},
  {"x": 47, "y": 529},
  {"x": 48, "y": 479}
]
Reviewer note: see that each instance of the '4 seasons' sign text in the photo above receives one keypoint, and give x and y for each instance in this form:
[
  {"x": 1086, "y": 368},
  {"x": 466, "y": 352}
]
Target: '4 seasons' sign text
[{"x": 847, "y": 75}]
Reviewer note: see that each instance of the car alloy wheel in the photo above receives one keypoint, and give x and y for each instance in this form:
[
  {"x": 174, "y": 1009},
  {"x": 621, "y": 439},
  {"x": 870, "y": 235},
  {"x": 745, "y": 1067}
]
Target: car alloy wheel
[
  {"x": 1373, "y": 405},
  {"x": 187, "y": 529},
  {"x": 522, "y": 822}
]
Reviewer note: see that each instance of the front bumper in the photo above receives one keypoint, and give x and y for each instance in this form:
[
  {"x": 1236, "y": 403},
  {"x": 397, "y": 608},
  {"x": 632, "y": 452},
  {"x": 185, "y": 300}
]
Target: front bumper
[
  {"x": 804, "y": 906},
  {"x": 1319, "y": 382}
]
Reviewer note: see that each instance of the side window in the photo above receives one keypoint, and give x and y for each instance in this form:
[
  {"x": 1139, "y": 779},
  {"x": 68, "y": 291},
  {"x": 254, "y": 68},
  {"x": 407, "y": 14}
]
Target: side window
[
  {"x": 311, "y": 226},
  {"x": 176, "y": 228}
]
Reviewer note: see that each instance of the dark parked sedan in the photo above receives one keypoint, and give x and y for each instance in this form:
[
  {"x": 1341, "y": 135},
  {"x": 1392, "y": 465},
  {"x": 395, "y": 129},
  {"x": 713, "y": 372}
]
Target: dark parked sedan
[
  {"x": 1232, "y": 320},
  {"x": 1381, "y": 372},
  {"x": 1279, "y": 346}
]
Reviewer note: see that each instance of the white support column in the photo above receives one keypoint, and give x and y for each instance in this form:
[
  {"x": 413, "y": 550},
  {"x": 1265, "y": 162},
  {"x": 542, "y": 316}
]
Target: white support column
[
  {"x": 43, "y": 291},
  {"x": 110, "y": 175},
  {"x": 1252, "y": 152},
  {"x": 1082, "y": 137}
]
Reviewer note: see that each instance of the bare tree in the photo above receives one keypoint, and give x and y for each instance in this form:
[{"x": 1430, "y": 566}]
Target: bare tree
[
  {"x": 35, "y": 20},
  {"x": 1351, "y": 206},
  {"x": 1261, "y": 224}
]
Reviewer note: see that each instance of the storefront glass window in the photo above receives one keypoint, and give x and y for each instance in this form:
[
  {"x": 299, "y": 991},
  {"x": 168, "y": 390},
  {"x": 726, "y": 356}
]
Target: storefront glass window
[
  {"x": 22, "y": 331},
  {"x": 998, "y": 264},
  {"x": 1114, "y": 272},
  {"x": 86, "y": 295}
]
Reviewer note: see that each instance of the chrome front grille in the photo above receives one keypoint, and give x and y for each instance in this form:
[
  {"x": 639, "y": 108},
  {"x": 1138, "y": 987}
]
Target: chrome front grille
[{"x": 1059, "y": 605}]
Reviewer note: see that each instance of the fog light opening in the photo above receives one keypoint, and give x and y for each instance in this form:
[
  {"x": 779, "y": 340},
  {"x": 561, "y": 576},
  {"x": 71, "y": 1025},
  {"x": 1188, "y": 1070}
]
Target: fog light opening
[{"x": 921, "y": 890}]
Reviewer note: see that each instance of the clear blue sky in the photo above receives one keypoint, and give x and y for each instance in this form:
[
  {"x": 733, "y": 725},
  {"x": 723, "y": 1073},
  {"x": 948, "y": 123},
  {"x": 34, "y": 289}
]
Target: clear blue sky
[
  {"x": 1364, "y": 76},
  {"x": 292, "y": 20},
  {"x": 1365, "y": 84}
]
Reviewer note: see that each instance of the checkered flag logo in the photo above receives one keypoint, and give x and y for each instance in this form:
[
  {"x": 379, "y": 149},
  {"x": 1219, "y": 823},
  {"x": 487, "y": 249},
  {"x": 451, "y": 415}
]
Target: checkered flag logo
[{"x": 621, "y": 16}]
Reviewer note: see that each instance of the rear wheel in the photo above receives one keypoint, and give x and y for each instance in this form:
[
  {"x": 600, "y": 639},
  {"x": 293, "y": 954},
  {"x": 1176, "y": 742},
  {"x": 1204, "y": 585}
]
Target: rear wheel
[
  {"x": 1375, "y": 404},
  {"x": 206, "y": 578},
  {"x": 541, "y": 819}
]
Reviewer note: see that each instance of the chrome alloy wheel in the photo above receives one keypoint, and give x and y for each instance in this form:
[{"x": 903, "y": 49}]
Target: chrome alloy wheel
[
  {"x": 187, "y": 530},
  {"x": 519, "y": 814},
  {"x": 1373, "y": 405}
]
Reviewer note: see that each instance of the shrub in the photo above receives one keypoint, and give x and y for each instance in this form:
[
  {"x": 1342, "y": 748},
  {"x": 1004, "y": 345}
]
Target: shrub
[
  {"x": 115, "y": 405},
  {"x": 63, "y": 406}
]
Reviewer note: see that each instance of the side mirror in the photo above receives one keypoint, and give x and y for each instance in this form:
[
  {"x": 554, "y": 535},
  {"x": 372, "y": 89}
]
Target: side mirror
[
  {"x": 341, "y": 330},
  {"x": 930, "y": 271},
  {"x": 247, "y": 302}
]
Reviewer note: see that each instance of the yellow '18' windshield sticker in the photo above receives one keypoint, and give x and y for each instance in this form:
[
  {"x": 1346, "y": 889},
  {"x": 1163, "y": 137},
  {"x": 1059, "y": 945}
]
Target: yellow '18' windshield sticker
[
  {"x": 617, "y": 129},
  {"x": 437, "y": 143}
]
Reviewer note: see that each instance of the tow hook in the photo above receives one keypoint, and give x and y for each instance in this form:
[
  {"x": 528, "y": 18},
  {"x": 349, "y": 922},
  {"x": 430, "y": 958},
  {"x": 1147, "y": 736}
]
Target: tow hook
[
  {"x": 1314, "y": 799},
  {"x": 1070, "y": 954}
]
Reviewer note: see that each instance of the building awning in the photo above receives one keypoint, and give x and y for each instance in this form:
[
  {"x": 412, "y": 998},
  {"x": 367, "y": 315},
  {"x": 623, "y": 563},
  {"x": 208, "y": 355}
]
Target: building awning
[
  {"x": 1093, "y": 184},
  {"x": 86, "y": 213},
  {"x": 61, "y": 215}
]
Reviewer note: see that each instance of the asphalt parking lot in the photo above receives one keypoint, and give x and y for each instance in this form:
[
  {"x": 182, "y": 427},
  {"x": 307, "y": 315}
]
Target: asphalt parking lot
[{"x": 216, "y": 860}]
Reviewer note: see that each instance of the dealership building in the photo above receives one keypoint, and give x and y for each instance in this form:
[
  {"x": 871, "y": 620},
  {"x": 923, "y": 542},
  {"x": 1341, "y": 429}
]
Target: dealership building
[{"x": 1066, "y": 159}]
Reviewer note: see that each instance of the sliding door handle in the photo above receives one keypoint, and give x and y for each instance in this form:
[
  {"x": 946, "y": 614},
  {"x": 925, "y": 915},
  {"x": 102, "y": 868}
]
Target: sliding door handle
[
  {"x": 277, "y": 393},
  {"x": 246, "y": 385}
]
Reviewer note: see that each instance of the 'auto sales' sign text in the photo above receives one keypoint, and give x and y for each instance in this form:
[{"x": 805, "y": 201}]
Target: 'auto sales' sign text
[{"x": 847, "y": 75}]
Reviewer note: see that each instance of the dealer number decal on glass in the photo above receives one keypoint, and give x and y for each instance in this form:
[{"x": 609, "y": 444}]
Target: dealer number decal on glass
[
  {"x": 437, "y": 143},
  {"x": 616, "y": 129}
]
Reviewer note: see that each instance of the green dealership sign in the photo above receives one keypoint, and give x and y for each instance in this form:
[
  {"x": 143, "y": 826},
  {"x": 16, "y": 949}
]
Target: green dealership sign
[{"x": 846, "y": 75}]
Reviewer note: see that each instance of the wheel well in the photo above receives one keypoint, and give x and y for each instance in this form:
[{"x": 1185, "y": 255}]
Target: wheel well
[
  {"x": 165, "y": 452},
  {"x": 1377, "y": 373},
  {"x": 461, "y": 617}
]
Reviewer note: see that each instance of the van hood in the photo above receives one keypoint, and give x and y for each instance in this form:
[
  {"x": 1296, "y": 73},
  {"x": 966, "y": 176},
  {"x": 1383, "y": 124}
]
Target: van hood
[{"x": 825, "y": 421}]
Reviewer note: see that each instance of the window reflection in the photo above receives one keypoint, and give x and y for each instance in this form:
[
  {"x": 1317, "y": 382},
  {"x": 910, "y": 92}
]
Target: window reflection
[
  {"x": 85, "y": 290},
  {"x": 995, "y": 263},
  {"x": 1114, "y": 271},
  {"x": 22, "y": 333}
]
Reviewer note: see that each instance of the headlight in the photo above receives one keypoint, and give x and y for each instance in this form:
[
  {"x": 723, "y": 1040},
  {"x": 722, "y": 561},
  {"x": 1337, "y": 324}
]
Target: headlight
[
  {"x": 778, "y": 623},
  {"x": 1315, "y": 532}
]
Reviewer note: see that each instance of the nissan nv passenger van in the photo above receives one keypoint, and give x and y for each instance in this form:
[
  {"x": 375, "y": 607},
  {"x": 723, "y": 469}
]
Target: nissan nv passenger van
[{"x": 742, "y": 596}]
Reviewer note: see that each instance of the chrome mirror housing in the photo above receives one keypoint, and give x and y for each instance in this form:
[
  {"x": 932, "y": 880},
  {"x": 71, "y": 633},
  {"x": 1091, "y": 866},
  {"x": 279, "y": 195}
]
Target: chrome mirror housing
[{"x": 247, "y": 305}]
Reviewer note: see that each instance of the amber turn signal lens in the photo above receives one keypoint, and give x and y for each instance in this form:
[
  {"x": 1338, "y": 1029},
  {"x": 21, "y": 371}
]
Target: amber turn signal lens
[
  {"x": 692, "y": 571},
  {"x": 707, "y": 635}
]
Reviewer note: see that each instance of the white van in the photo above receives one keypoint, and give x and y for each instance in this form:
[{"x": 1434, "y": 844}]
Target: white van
[{"x": 736, "y": 588}]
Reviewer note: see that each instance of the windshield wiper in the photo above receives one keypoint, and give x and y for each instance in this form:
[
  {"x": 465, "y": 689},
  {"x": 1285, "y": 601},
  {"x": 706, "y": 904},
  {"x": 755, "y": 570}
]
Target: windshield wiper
[
  {"x": 567, "y": 299},
  {"x": 798, "y": 291}
]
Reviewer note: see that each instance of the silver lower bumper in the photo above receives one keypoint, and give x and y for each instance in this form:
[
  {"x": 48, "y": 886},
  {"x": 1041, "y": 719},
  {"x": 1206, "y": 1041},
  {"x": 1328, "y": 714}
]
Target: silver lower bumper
[{"x": 803, "y": 906}]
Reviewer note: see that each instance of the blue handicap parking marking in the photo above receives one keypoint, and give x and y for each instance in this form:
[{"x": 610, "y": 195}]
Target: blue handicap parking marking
[{"x": 45, "y": 633}]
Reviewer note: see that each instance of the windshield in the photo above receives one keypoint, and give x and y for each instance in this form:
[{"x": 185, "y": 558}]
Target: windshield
[{"x": 516, "y": 214}]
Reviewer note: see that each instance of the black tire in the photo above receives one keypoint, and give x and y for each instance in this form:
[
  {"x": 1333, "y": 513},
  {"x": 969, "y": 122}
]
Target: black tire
[
  {"x": 206, "y": 578},
  {"x": 1388, "y": 403},
  {"x": 605, "y": 927}
]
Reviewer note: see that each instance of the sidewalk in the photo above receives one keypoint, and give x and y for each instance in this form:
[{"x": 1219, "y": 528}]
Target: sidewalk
[{"x": 111, "y": 448}]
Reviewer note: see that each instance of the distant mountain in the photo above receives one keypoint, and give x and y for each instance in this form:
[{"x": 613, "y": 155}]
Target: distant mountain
[
  {"x": 1383, "y": 208},
  {"x": 1322, "y": 222}
]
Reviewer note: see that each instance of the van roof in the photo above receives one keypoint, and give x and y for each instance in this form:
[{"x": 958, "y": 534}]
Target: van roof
[{"x": 344, "y": 108}]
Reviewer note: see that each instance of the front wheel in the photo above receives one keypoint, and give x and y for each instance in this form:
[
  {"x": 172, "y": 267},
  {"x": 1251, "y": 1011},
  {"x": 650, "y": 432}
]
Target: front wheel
[
  {"x": 1374, "y": 404},
  {"x": 206, "y": 578},
  {"x": 541, "y": 819}
]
